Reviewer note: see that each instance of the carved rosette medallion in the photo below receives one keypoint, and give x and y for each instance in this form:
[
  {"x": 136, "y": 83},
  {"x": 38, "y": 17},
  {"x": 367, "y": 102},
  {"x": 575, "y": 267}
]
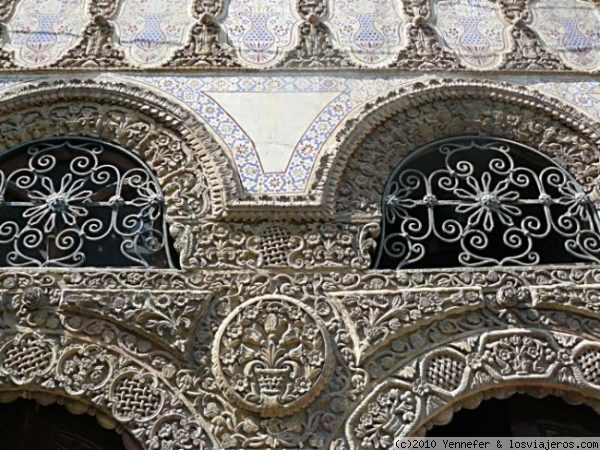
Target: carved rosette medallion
[
  {"x": 272, "y": 355},
  {"x": 371, "y": 30},
  {"x": 569, "y": 28},
  {"x": 474, "y": 30},
  {"x": 262, "y": 31},
  {"x": 150, "y": 32},
  {"x": 83, "y": 369},
  {"x": 41, "y": 31}
]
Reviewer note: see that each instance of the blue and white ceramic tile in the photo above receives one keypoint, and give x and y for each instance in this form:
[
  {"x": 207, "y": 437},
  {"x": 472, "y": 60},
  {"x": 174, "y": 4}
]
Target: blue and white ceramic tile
[
  {"x": 261, "y": 31},
  {"x": 345, "y": 97},
  {"x": 151, "y": 30},
  {"x": 570, "y": 28},
  {"x": 473, "y": 29},
  {"x": 41, "y": 31},
  {"x": 369, "y": 30}
]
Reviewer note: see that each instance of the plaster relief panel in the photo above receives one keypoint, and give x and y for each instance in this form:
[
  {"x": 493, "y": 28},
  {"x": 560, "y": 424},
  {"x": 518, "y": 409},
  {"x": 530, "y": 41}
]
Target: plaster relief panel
[
  {"x": 369, "y": 30},
  {"x": 150, "y": 30},
  {"x": 473, "y": 29},
  {"x": 570, "y": 28},
  {"x": 261, "y": 31},
  {"x": 41, "y": 31}
]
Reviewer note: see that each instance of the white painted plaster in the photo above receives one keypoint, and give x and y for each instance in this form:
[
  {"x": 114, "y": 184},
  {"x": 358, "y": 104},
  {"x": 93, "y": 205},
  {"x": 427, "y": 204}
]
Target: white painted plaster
[{"x": 274, "y": 121}]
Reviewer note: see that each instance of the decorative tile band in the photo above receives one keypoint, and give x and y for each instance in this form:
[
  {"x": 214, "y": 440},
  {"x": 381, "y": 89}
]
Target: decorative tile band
[
  {"x": 341, "y": 97},
  {"x": 540, "y": 35}
]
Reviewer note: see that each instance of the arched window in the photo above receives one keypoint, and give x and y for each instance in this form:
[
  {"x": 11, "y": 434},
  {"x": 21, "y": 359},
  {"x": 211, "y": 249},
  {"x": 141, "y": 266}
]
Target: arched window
[
  {"x": 480, "y": 201},
  {"x": 78, "y": 202}
]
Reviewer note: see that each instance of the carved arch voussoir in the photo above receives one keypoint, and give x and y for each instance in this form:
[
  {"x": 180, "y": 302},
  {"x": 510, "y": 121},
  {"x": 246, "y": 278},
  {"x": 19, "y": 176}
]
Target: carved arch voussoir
[
  {"x": 122, "y": 392},
  {"x": 195, "y": 174},
  {"x": 374, "y": 142},
  {"x": 427, "y": 390}
]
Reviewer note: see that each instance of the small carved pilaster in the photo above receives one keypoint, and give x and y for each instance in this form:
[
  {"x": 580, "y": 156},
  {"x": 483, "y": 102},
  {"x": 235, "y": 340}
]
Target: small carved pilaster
[
  {"x": 6, "y": 9},
  {"x": 315, "y": 47},
  {"x": 97, "y": 47},
  {"x": 205, "y": 46},
  {"x": 528, "y": 53},
  {"x": 423, "y": 51}
]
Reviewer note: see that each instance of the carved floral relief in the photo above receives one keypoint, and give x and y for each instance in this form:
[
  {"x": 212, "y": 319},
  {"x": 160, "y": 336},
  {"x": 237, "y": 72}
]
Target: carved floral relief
[
  {"x": 151, "y": 30},
  {"x": 261, "y": 31},
  {"x": 41, "y": 31},
  {"x": 370, "y": 30},
  {"x": 473, "y": 29},
  {"x": 570, "y": 28},
  {"x": 272, "y": 356}
]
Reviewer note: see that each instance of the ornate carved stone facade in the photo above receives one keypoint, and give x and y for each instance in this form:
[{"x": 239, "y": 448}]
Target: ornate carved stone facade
[{"x": 275, "y": 330}]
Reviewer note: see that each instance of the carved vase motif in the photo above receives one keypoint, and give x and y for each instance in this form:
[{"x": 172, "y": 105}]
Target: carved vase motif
[
  {"x": 149, "y": 30},
  {"x": 261, "y": 30},
  {"x": 570, "y": 28},
  {"x": 41, "y": 31},
  {"x": 473, "y": 29},
  {"x": 370, "y": 30},
  {"x": 272, "y": 356}
]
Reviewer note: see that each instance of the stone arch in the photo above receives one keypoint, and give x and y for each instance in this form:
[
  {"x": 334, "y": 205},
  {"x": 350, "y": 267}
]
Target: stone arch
[
  {"x": 196, "y": 176},
  {"x": 374, "y": 142},
  {"x": 90, "y": 377},
  {"x": 434, "y": 383}
]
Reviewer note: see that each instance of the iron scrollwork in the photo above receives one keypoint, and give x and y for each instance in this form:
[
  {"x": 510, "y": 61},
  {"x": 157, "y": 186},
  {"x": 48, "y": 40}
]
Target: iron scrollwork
[
  {"x": 477, "y": 201},
  {"x": 74, "y": 202}
]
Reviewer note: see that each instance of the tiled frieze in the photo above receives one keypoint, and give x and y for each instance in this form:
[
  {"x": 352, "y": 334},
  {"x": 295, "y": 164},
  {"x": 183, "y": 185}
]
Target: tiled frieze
[
  {"x": 40, "y": 32},
  {"x": 516, "y": 35},
  {"x": 149, "y": 31},
  {"x": 370, "y": 31},
  {"x": 570, "y": 28},
  {"x": 473, "y": 29},
  {"x": 347, "y": 95},
  {"x": 261, "y": 30},
  {"x": 229, "y": 106}
]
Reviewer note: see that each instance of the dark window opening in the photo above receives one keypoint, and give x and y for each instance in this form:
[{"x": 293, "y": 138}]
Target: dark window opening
[
  {"x": 522, "y": 416},
  {"x": 26, "y": 425},
  {"x": 78, "y": 202},
  {"x": 481, "y": 201}
]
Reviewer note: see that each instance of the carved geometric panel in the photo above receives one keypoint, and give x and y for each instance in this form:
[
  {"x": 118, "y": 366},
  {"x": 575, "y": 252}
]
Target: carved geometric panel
[
  {"x": 370, "y": 30},
  {"x": 150, "y": 31},
  {"x": 473, "y": 29},
  {"x": 569, "y": 28},
  {"x": 41, "y": 31},
  {"x": 261, "y": 31}
]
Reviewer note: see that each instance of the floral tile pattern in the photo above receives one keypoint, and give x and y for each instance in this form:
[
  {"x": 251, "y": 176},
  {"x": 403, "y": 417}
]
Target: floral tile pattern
[
  {"x": 352, "y": 95},
  {"x": 150, "y": 30},
  {"x": 41, "y": 31},
  {"x": 370, "y": 30},
  {"x": 473, "y": 29},
  {"x": 570, "y": 28},
  {"x": 261, "y": 30}
]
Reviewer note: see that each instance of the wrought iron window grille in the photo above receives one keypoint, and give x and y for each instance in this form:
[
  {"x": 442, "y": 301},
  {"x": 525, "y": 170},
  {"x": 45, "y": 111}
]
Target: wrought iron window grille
[
  {"x": 483, "y": 201},
  {"x": 80, "y": 202}
]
